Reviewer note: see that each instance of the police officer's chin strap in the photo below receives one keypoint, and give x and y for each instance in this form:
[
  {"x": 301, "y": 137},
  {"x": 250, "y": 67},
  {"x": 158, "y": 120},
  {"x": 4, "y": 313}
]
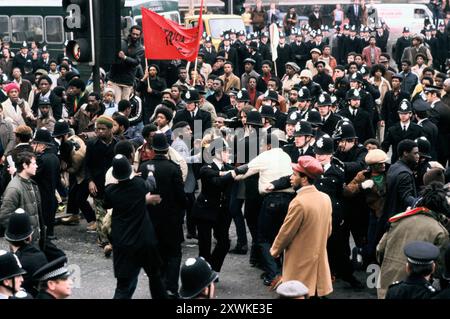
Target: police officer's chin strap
[
  {"x": 13, "y": 288},
  {"x": 307, "y": 140}
]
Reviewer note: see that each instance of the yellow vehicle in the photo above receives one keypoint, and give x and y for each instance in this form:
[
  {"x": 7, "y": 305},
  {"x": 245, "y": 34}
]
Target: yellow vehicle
[{"x": 214, "y": 24}]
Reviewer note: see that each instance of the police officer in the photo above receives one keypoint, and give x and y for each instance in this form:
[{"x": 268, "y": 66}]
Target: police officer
[
  {"x": 18, "y": 234},
  {"x": 405, "y": 129},
  {"x": 303, "y": 135},
  {"x": 54, "y": 280},
  {"x": 430, "y": 130},
  {"x": 211, "y": 209},
  {"x": 11, "y": 279},
  {"x": 197, "y": 279},
  {"x": 359, "y": 117},
  {"x": 304, "y": 100},
  {"x": 352, "y": 154},
  {"x": 331, "y": 182},
  {"x": 420, "y": 266},
  {"x": 328, "y": 118},
  {"x": 247, "y": 147}
]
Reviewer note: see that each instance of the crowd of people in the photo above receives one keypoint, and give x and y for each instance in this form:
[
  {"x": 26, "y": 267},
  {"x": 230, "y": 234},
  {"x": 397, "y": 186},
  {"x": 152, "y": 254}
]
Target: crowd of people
[{"x": 335, "y": 139}]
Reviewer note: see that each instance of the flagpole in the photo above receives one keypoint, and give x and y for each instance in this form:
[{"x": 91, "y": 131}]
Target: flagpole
[
  {"x": 148, "y": 78},
  {"x": 198, "y": 43},
  {"x": 195, "y": 68}
]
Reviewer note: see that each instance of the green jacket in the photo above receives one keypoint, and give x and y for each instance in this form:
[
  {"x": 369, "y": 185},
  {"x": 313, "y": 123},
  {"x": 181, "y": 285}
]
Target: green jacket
[
  {"x": 424, "y": 225},
  {"x": 22, "y": 193}
]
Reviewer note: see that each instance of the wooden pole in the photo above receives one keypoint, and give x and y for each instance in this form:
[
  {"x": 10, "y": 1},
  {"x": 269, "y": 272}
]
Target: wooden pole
[
  {"x": 195, "y": 74},
  {"x": 148, "y": 78}
]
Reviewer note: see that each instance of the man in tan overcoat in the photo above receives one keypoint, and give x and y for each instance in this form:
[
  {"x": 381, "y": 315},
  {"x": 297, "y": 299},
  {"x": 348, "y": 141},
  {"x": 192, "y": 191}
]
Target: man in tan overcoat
[{"x": 305, "y": 231}]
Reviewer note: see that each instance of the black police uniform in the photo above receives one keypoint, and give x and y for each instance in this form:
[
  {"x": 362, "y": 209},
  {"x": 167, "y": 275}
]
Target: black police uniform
[
  {"x": 412, "y": 287},
  {"x": 54, "y": 270},
  {"x": 400, "y": 46},
  {"x": 396, "y": 134},
  {"x": 440, "y": 115},
  {"x": 361, "y": 122},
  {"x": 211, "y": 212},
  {"x": 415, "y": 286}
]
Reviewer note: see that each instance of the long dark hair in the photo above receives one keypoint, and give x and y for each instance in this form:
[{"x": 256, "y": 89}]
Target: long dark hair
[{"x": 434, "y": 197}]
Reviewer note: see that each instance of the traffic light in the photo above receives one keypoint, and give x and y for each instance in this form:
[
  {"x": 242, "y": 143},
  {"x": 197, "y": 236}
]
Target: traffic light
[
  {"x": 109, "y": 28},
  {"x": 80, "y": 20}
]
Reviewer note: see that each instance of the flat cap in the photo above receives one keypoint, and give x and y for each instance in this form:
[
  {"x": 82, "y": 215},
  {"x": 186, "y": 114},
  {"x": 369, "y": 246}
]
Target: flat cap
[{"x": 292, "y": 289}]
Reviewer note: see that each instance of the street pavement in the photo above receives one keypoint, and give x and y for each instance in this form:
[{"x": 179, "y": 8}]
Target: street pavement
[{"x": 94, "y": 277}]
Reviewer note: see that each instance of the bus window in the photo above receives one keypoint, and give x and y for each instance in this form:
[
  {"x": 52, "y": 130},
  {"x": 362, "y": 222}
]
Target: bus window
[
  {"x": 4, "y": 27},
  {"x": 54, "y": 32},
  {"x": 27, "y": 28}
]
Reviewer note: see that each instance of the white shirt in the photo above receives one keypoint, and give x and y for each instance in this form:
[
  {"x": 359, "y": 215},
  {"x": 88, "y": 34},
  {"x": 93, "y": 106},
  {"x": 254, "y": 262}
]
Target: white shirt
[
  {"x": 271, "y": 165},
  {"x": 403, "y": 125},
  {"x": 353, "y": 111},
  {"x": 218, "y": 163}
]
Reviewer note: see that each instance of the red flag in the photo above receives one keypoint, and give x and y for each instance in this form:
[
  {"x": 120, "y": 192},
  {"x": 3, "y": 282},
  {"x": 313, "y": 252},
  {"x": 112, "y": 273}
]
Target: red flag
[{"x": 166, "y": 40}]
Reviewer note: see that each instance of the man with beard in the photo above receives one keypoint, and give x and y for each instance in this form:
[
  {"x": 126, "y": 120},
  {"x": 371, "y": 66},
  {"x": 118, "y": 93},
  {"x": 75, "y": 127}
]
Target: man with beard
[
  {"x": 322, "y": 77},
  {"x": 122, "y": 74},
  {"x": 151, "y": 94},
  {"x": 249, "y": 71}
]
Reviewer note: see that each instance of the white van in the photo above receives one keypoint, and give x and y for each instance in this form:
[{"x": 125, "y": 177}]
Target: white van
[{"x": 398, "y": 16}]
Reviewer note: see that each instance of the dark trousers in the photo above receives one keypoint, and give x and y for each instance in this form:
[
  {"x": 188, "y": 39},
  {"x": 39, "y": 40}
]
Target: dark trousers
[
  {"x": 78, "y": 194},
  {"x": 273, "y": 211},
  {"x": 169, "y": 234},
  {"x": 48, "y": 213},
  {"x": 338, "y": 249},
  {"x": 127, "y": 285},
  {"x": 190, "y": 223},
  {"x": 220, "y": 228},
  {"x": 357, "y": 219},
  {"x": 251, "y": 212},
  {"x": 372, "y": 242},
  {"x": 238, "y": 217}
]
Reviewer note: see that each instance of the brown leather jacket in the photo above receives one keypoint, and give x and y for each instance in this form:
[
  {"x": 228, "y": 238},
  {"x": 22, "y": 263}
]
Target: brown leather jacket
[{"x": 375, "y": 197}]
